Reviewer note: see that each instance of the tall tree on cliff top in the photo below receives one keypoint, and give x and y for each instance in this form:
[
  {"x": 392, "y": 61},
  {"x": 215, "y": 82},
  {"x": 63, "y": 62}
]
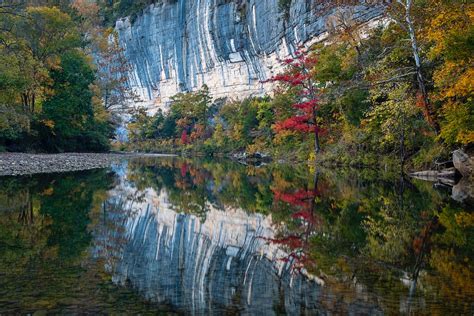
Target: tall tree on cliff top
[{"x": 299, "y": 76}]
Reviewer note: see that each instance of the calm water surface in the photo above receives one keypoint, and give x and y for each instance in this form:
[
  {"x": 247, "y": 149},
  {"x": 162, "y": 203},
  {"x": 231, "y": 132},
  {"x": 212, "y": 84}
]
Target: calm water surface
[{"x": 168, "y": 235}]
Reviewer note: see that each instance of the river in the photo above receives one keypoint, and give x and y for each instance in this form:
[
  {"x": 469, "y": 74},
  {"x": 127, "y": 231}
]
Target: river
[{"x": 187, "y": 236}]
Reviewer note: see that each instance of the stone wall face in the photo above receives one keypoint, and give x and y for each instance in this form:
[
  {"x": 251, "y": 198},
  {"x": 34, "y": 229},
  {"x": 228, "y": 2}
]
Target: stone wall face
[{"x": 229, "y": 45}]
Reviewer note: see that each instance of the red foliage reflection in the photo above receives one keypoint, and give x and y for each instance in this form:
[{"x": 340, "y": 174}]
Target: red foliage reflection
[{"x": 297, "y": 243}]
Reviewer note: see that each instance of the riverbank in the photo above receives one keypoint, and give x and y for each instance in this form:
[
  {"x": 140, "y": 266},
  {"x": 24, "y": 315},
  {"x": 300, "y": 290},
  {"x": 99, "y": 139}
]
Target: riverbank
[{"x": 12, "y": 164}]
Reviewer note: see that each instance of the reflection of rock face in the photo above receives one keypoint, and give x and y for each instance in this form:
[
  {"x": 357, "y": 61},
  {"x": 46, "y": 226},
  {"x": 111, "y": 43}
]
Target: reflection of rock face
[
  {"x": 214, "y": 266},
  {"x": 463, "y": 191},
  {"x": 181, "y": 45}
]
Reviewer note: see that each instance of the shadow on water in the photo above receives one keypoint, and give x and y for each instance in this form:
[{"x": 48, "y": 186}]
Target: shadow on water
[{"x": 211, "y": 237}]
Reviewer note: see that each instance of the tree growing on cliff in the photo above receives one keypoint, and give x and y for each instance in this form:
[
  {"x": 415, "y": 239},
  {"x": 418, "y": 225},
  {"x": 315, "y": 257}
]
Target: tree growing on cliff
[
  {"x": 299, "y": 77},
  {"x": 113, "y": 71}
]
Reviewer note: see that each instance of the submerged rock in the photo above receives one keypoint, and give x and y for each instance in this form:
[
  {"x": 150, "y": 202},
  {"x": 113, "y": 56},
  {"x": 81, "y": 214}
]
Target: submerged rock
[
  {"x": 462, "y": 187},
  {"x": 256, "y": 158},
  {"x": 446, "y": 176}
]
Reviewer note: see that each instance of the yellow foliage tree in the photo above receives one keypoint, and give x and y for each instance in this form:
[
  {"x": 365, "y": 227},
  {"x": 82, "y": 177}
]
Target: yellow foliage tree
[{"x": 450, "y": 32}]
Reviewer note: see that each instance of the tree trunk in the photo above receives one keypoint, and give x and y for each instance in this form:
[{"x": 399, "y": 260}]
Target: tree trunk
[
  {"x": 419, "y": 74},
  {"x": 106, "y": 101},
  {"x": 312, "y": 204},
  {"x": 33, "y": 101},
  {"x": 402, "y": 142},
  {"x": 24, "y": 99},
  {"x": 317, "y": 147},
  {"x": 29, "y": 99}
]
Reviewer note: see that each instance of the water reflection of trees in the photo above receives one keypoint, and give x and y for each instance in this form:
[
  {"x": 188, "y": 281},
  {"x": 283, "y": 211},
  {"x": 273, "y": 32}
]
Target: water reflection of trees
[
  {"x": 402, "y": 226},
  {"x": 191, "y": 188},
  {"x": 45, "y": 233},
  {"x": 296, "y": 238},
  {"x": 401, "y": 243},
  {"x": 360, "y": 229}
]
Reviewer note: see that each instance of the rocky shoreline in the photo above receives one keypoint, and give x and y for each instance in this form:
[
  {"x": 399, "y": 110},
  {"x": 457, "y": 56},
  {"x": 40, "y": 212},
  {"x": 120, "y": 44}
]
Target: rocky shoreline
[{"x": 13, "y": 164}]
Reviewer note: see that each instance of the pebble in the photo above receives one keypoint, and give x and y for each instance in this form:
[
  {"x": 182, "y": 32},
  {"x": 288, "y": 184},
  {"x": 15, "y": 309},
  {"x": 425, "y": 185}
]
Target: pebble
[{"x": 23, "y": 164}]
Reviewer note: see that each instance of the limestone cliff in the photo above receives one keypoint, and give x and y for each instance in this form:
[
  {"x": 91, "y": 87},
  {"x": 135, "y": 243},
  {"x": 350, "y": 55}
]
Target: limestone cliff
[{"x": 229, "y": 45}]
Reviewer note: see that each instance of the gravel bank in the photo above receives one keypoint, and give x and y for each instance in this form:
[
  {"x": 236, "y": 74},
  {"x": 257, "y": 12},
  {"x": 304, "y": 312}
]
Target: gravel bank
[{"x": 22, "y": 164}]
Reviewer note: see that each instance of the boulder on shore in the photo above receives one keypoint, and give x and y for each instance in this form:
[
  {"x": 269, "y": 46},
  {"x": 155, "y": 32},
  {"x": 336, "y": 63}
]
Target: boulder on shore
[{"x": 463, "y": 163}]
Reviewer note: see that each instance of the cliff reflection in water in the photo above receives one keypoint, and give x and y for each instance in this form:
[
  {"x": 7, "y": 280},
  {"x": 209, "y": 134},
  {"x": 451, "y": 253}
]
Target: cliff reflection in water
[
  {"x": 209, "y": 237},
  {"x": 201, "y": 256},
  {"x": 213, "y": 237}
]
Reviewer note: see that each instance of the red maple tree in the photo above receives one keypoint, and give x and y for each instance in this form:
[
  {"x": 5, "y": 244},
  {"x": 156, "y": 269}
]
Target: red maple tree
[
  {"x": 184, "y": 137},
  {"x": 299, "y": 75}
]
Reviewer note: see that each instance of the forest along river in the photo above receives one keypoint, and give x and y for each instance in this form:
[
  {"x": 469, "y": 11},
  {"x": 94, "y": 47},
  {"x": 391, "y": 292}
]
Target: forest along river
[{"x": 154, "y": 235}]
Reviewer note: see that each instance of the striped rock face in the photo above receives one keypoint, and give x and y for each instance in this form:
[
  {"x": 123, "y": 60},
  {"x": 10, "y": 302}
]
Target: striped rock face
[{"x": 231, "y": 46}]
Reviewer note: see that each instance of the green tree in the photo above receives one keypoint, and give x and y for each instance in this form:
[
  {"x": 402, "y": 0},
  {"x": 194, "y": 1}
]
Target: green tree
[
  {"x": 70, "y": 112},
  {"x": 191, "y": 112},
  {"x": 36, "y": 48},
  {"x": 40, "y": 38}
]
